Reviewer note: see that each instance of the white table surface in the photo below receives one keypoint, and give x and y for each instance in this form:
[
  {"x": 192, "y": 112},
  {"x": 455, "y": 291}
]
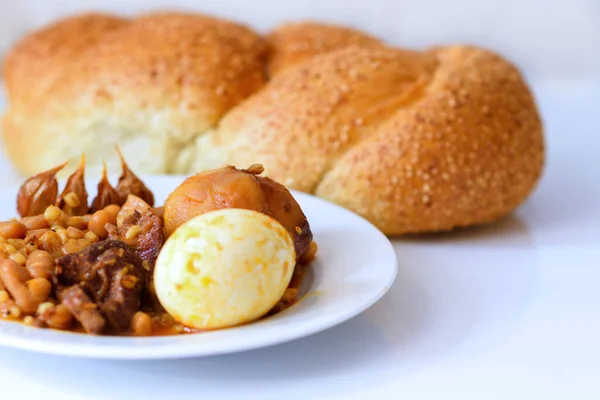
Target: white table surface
[{"x": 503, "y": 312}]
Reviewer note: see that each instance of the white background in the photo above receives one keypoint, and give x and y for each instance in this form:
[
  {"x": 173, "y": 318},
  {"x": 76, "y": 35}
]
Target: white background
[
  {"x": 548, "y": 38},
  {"x": 511, "y": 311}
]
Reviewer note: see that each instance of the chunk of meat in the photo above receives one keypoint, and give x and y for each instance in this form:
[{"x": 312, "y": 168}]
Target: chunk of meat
[
  {"x": 133, "y": 203},
  {"x": 83, "y": 309},
  {"x": 111, "y": 273},
  {"x": 143, "y": 230},
  {"x": 141, "y": 227},
  {"x": 122, "y": 301}
]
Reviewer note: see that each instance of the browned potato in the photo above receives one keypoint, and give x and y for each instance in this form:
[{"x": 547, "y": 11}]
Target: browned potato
[{"x": 230, "y": 187}]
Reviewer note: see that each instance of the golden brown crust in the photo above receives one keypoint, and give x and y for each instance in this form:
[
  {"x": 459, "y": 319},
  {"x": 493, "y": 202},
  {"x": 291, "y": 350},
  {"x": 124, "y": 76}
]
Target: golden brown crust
[
  {"x": 413, "y": 141},
  {"x": 150, "y": 86},
  {"x": 296, "y": 134},
  {"x": 42, "y": 54},
  {"x": 468, "y": 152},
  {"x": 199, "y": 63},
  {"x": 292, "y": 43}
]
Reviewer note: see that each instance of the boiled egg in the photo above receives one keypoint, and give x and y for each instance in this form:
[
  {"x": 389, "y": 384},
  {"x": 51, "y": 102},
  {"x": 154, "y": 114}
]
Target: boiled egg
[{"x": 224, "y": 268}]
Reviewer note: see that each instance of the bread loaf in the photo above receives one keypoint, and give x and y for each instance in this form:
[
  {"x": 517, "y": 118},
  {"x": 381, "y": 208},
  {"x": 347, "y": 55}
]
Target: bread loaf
[
  {"x": 151, "y": 86},
  {"x": 413, "y": 140}
]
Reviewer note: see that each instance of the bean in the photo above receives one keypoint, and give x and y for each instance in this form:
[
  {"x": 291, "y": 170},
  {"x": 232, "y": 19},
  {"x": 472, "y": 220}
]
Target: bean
[
  {"x": 62, "y": 233},
  {"x": 132, "y": 232},
  {"x": 77, "y": 222},
  {"x": 40, "y": 264},
  {"x": 74, "y": 233},
  {"x": 35, "y": 222},
  {"x": 39, "y": 289},
  {"x": 18, "y": 257},
  {"x": 50, "y": 241},
  {"x": 9, "y": 248},
  {"x": 42, "y": 308},
  {"x": 14, "y": 277},
  {"x": 75, "y": 246},
  {"x": 36, "y": 233},
  {"x": 113, "y": 209},
  {"x": 70, "y": 247},
  {"x": 18, "y": 243},
  {"x": 91, "y": 236},
  {"x": 72, "y": 200},
  {"x": 29, "y": 248},
  {"x": 55, "y": 216},
  {"x": 13, "y": 230},
  {"x": 98, "y": 222},
  {"x": 141, "y": 324},
  {"x": 58, "y": 317}
]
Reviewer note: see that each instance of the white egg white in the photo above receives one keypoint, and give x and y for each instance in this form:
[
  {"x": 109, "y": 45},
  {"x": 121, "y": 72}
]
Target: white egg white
[{"x": 224, "y": 268}]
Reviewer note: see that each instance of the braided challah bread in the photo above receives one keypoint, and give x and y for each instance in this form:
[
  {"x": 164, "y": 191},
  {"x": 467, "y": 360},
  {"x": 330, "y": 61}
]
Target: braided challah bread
[{"x": 415, "y": 141}]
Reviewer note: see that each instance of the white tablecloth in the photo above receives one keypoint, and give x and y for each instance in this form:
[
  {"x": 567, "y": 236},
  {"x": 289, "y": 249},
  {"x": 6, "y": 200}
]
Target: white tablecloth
[{"x": 503, "y": 312}]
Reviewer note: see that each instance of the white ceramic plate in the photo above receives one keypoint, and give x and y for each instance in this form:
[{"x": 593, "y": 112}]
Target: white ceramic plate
[{"x": 355, "y": 266}]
